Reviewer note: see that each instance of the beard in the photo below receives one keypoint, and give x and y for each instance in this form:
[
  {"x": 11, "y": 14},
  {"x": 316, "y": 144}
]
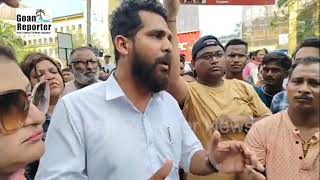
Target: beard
[
  {"x": 147, "y": 75},
  {"x": 86, "y": 78}
]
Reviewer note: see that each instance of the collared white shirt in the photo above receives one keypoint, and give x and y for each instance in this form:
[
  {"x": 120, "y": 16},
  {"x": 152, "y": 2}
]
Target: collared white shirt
[{"x": 96, "y": 133}]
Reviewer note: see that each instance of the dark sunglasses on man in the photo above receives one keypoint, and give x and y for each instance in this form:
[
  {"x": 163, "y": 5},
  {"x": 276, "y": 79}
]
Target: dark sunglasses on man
[{"x": 14, "y": 106}]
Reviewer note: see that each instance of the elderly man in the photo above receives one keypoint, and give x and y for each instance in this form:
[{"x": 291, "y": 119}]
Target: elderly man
[{"x": 85, "y": 68}]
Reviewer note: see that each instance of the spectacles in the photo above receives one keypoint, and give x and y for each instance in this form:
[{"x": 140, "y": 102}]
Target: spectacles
[
  {"x": 84, "y": 63},
  {"x": 14, "y": 106},
  {"x": 234, "y": 55},
  {"x": 209, "y": 57}
]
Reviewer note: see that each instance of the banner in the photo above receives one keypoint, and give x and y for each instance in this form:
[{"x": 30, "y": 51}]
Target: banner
[
  {"x": 229, "y": 2},
  {"x": 186, "y": 41}
]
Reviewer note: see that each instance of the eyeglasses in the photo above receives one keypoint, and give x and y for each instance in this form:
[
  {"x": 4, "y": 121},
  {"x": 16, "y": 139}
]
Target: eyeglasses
[
  {"x": 14, "y": 106},
  {"x": 209, "y": 57},
  {"x": 84, "y": 63},
  {"x": 233, "y": 55}
]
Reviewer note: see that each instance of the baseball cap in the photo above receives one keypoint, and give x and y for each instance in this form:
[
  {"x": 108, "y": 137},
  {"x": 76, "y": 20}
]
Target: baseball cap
[{"x": 203, "y": 42}]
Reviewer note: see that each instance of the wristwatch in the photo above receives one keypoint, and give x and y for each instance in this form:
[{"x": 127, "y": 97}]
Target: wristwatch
[{"x": 212, "y": 166}]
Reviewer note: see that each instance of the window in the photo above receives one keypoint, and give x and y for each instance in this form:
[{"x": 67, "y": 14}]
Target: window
[
  {"x": 40, "y": 41},
  {"x": 73, "y": 27},
  {"x": 80, "y": 26},
  {"x": 34, "y": 42},
  {"x": 67, "y": 28},
  {"x": 29, "y": 42},
  {"x": 61, "y": 29},
  {"x": 50, "y": 52},
  {"x": 50, "y": 40},
  {"x": 45, "y": 41},
  {"x": 45, "y": 52}
]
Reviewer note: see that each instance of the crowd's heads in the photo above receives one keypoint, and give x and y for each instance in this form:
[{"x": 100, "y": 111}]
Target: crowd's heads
[
  {"x": 19, "y": 119},
  {"x": 107, "y": 59},
  {"x": 39, "y": 67},
  {"x": 309, "y": 47},
  {"x": 260, "y": 53},
  {"x": 304, "y": 85},
  {"x": 67, "y": 74},
  {"x": 182, "y": 63},
  {"x": 142, "y": 38},
  {"x": 84, "y": 65},
  {"x": 275, "y": 67},
  {"x": 126, "y": 21},
  {"x": 236, "y": 55},
  {"x": 208, "y": 59},
  {"x": 11, "y": 3}
]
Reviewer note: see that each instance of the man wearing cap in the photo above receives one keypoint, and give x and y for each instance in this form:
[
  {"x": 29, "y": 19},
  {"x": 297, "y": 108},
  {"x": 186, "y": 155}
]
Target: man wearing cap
[
  {"x": 108, "y": 67},
  {"x": 211, "y": 102}
]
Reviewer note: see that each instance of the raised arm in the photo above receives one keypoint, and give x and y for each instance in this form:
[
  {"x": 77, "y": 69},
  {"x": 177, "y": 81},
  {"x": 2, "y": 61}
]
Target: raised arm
[{"x": 177, "y": 86}]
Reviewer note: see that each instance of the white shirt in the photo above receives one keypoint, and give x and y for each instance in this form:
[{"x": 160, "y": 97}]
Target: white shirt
[{"x": 96, "y": 133}]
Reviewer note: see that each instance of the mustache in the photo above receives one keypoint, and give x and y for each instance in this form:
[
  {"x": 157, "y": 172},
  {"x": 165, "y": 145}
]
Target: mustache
[{"x": 304, "y": 96}]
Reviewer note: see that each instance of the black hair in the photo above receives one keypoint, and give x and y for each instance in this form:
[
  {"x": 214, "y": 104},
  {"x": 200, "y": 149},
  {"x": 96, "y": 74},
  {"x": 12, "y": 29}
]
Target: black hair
[
  {"x": 312, "y": 42},
  {"x": 304, "y": 61},
  {"x": 279, "y": 58},
  {"x": 264, "y": 49},
  {"x": 66, "y": 70},
  {"x": 7, "y": 52},
  {"x": 125, "y": 20},
  {"x": 182, "y": 58},
  {"x": 236, "y": 42}
]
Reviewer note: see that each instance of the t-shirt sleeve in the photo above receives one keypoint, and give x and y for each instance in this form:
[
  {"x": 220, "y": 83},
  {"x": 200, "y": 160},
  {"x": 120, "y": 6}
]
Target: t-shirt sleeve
[
  {"x": 256, "y": 143},
  {"x": 258, "y": 108}
]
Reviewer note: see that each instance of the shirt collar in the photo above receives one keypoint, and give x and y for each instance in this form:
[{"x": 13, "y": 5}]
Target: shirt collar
[
  {"x": 292, "y": 127},
  {"x": 113, "y": 90}
]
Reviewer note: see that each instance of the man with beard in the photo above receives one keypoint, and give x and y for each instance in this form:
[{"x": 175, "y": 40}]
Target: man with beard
[
  {"x": 127, "y": 127},
  {"x": 84, "y": 66},
  {"x": 287, "y": 143},
  {"x": 236, "y": 58}
]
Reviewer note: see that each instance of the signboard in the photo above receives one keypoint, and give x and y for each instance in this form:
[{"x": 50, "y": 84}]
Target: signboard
[
  {"x": 229, "y": 2},
  {"x": 186, "y": 41},
  {"x": 33, "y": 21},
  {"x": 65, "y": 46}
]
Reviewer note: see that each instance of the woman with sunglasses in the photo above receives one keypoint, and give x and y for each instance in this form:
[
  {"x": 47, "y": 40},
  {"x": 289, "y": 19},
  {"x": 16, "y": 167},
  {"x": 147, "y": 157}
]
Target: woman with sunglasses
[
  {"x": 20, "y": 120},
  {"x": 39, "y": 67}
]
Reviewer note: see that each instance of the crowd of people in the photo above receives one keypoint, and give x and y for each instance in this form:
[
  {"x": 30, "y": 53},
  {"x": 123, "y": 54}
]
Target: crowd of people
[{"x": 237, "y": 115}]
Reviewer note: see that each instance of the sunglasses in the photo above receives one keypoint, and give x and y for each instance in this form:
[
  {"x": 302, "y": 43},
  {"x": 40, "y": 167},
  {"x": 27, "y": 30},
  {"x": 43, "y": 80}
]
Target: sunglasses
[{"x": 14, "y": 106}]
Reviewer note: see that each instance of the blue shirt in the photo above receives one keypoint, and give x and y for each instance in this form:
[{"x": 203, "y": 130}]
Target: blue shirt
[
  {"x": 279, "y": 102},
  {"x": 97, "y": 133}
]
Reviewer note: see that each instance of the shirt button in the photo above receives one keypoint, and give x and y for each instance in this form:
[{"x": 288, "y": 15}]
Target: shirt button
[{"x": 300, "y": 157}]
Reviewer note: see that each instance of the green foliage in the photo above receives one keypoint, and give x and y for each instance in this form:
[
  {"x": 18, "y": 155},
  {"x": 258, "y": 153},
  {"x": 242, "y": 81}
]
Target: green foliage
[
  {"x": 308, "y": 18},
  {"x": 9, "y": 38}
]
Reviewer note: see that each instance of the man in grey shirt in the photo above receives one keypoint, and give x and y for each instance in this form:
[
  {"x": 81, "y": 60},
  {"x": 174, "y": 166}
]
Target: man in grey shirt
[{"x": 128, "y": 127}]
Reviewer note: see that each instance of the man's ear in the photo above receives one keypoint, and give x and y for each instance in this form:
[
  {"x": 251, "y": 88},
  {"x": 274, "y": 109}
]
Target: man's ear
[
  {"x": 121, "y": 43},
  {"x": 193, "y": 65}
]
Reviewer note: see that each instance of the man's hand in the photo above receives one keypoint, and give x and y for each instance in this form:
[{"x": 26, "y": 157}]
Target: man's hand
[
  {"x": 173, "y": 8},
  {"x": 233, "y": 123},
  {"x": 231, "y": 156},
  {"x": 251, "y": 174},
  {"x": 11, "y": 3},
  {"x": 163, "y": 172}
]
